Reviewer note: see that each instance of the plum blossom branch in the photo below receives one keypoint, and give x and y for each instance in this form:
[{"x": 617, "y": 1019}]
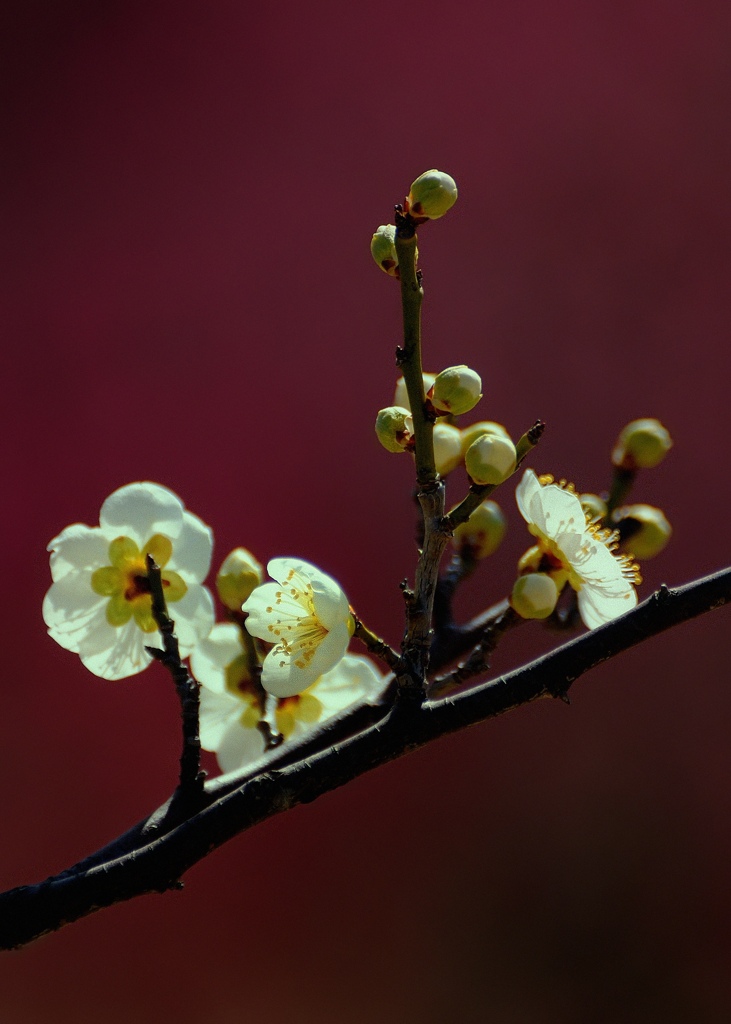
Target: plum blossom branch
[
  {"x": 153, "y": 855},
  {"x": 191, "y": 777}
]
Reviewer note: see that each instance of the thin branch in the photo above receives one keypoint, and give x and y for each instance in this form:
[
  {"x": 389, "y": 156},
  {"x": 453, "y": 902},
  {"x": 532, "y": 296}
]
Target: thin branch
[
  {"x": 479, "y": 660},
  {"x": 151, "y": 858},
  {"x": 478, "y": 492},
  {"x": 379, "y": 648},
  {"x": 191, "y": 778}
]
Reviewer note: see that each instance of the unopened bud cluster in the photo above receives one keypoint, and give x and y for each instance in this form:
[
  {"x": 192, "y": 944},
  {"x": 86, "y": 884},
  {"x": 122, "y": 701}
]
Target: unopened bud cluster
[{"x": 430, "y": 196}]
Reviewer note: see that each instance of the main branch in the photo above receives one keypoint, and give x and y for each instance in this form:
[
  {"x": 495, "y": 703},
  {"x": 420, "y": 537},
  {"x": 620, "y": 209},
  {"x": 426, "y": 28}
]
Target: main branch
[{"x": 153, "y": 855}]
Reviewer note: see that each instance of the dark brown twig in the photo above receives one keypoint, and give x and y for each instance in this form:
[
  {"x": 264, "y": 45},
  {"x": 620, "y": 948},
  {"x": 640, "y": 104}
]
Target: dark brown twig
[
  {"x": 153, "y": 855},
  {"x": 190, "y": 784}
]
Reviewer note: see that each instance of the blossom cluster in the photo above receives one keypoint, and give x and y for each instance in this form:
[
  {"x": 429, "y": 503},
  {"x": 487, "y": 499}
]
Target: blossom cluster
[{"x": 285, "y": 646}]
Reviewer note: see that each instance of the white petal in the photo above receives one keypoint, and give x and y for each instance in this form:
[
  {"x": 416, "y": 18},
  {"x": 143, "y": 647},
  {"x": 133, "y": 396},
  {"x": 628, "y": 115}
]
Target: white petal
[
  {"x": 71, "y": 610},
  {"x": 210, "y": 658},
  {"x": 525, "y": 494},
  {"x": 219, "y": 711},
  {"x": 239, "y": 746},
  {"x": 141, "y": 510},
  {"x": 115, "y": 652},
  {"x": 284, "y": 678},
  {"x": 78, "y": 547},
  {"x": 597, "y": 607},
  {"x": 560, "y": 510},
  {"x": 280, "y": 568},
  {"x": 353, "y": 680},
  {"x": 192, "y": 549},
  {"x": 281, "y": 604},
  {"x": 194, "y": 616},
  {"x": 331, "y": 604}
]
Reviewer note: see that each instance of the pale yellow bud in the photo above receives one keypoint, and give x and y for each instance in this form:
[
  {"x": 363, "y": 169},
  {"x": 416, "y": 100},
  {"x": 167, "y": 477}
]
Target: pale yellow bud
[
  {"x": 401, "y": 396},
  {"x": 475, "y": 430},
  {"x": 534, "y": 596},
  {"x": 593, "y": 505},
  {"x": 432, "y": 194},
  {"x": 239, "y": 575},
  {"x": 530, "y": 560},
  {"x": 447, "y": 448},
  {"x": 394, "y": 428},
  {"x": 490, "y": 459},
  {"x": 383, "y": 248},
  {"x": 482, "y": 533},
  {"x": 456, "y": 390},
  {"x": 642, "y": 444},
  {"x": 643, "y": 530}
]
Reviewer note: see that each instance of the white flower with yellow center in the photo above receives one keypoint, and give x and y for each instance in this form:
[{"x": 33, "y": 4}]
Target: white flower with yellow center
[
  {"x": 577, "y": 551},
  {"x": 306, "y": 616},
  {"x": 99, "y": 605},
  {"x": 232, "y": 704}
]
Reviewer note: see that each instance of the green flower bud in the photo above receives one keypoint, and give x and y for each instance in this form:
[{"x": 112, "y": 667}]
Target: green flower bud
[
  {"x": 431, "y": 195},
  {"x": 593, "y": 505},
  {"x": 383, "y": 249},
  {"x": 239, "y": 575},
  {"x": 643, "y": 530},
  {"x": 456, "y": 390},
  {"x": 402, "y": 398},
  {"x": 394, "y": 428},
  {"x": 447, "y": 448},
  {"x": 490, "y": 459},
  {"x": 482, "y": 533},
  {"x": 642, "y": 444},
  {"x": 475, "y": 430},
  {"x": 534, "y": 596}
]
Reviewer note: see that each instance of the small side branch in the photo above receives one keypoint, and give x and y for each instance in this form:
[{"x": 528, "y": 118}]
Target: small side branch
[
  {"x": 379, "y": 648},
  {"x": 190, "y": 785},
  {"x": 479, "y": 660}
]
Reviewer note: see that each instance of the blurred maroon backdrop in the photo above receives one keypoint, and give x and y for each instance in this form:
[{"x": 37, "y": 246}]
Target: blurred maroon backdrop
[{"x": 189, "y": 193}]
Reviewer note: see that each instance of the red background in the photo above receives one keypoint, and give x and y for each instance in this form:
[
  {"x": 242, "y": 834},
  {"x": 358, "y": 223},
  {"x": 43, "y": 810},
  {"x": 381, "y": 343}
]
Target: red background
[{"x": 189, "y": 194}]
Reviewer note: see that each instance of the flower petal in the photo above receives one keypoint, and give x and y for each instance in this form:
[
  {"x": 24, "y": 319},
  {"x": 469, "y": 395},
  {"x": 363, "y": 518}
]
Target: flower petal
[
  {"x": 140, "y": 511},
  {"x": 210, "y": 658},
  {"x": 597, "y": 606},
  {"x": 218, "y": 712},
  {"x": 353, "y": 680},
  {"x": 71, "y": 608},
  {"x": 239, "y": 746},
  {"x": 331, "y": 604},
  {"x": 267, "y": 607},
  {"x": 115, "y": 652},
  {"x": 192, "y": 549},
  {"x": 283, "y": 676},
  {"x": 194, "y": 616},
  {"x": 78, "y": 547}
]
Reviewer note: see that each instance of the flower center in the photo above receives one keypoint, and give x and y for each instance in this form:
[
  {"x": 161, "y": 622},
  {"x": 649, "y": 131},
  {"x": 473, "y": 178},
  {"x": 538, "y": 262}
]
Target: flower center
[{"x": 126, "y": 583}]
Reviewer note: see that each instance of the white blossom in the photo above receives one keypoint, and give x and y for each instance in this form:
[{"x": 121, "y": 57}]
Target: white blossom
[
  {"x": 577, "y": 551},
  {"x": 306, "y": 616},
  {"x": 99, "y": 605},
  {"x": 232, "y": 703}
]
